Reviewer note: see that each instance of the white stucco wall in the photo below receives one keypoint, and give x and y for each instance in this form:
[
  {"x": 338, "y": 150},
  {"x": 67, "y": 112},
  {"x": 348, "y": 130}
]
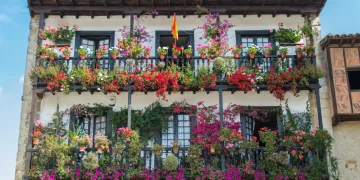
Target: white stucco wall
[
  {"x": 163, "y": 23},
  {"x": 140, "y": 100}
]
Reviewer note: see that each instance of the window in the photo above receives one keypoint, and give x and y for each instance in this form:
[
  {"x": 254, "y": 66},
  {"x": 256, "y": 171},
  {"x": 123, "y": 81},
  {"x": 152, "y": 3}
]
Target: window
[
  {"x": 251, "y": 126},
  {"x": 247, "y": 38},
  {"x": 165, "y": 39},
  {"x": 353, "y": 79}
]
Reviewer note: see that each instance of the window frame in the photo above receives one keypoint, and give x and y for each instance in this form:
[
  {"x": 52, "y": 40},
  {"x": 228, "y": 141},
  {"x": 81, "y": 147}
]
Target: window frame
[
  {"x": 240, "y": 33},
  {"x": 159, "y": 33},
  {"x": 79, "y": 34},
  {"x": 176, "y": 126}
]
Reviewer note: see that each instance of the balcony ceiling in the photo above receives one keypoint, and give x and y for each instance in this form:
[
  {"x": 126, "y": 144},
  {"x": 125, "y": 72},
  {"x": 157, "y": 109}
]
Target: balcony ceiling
[{"x": 168, "y": 7}]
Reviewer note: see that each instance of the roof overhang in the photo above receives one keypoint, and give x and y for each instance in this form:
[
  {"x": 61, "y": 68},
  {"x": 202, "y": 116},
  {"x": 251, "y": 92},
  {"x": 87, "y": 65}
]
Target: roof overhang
[
  {"x": 341, "y": 40},
  {"x": 167, "y": 7}
]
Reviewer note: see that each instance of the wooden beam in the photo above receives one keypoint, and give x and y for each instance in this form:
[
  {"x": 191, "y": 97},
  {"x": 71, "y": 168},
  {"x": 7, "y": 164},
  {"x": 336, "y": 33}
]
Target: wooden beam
[
  {"x": 137, "y": 3},
  {"x": 244, "y": 14},
  {"x": 274, "y": 14},
  {"x": 40, "y": 3},
  {"x": 353, "y": 42},
  {"x": 288, "y": 14},
  {"x": 295, "y": 2},
  {"x": 278, "y": 2},
  {"x": 263, "y": 3},
  {"x": 310, "y": 2},
  {"x": 341, "y": 42},
  {"x": 108, "y": 15},
  {"x": 105, "y": 3},
  {"x": 169, "y": 2},
  {"x": 121, "y": 3},
  {"x": 259, "y": 14},
  {"x": 77, "y": 15},
  {"x": 184, "y": 15},
  {"x": 61, "y": 15},
  {"x": 222, "y": 8},
  {"x": 92, "y": 14},
  {"x": 56, "y": 3},
  {"x": 73, "y": 3}
]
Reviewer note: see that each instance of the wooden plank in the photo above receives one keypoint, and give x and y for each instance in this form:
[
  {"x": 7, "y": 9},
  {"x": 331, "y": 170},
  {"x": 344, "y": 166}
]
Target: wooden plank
[
  {"x": 352, "y": 57},
  {"x": 340, "y": 80},
  {"x": 355, "y": 96}
]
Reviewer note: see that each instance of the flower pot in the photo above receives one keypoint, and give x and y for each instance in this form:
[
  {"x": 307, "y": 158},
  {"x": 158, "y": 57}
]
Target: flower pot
[
  {"x": 298, "y": 55},
  {"x": 162, "y": 56},
  {"x": 128, "y": 139},
  {"x": 212, "y": 150},
  {"x": 43, "y": 55},
  {"x": 203, "y": 56},
  {"x": 98, "y": 55},
  {"x": 252, "y": 55},
  {"x": 175, "y": 56},
  {"x": 35, "y": 141},
  {"x": 114, "y": 56},
  {"x": 82, "y": 148},
  {"x": 267, "y": 54},
  {"x": 82, "y": 57},
  {"x": 67, "y": 56},
  {"x": 175, "y": 150},
  {"x": 236, "y": 55},
  {"x": 283, "y": 55},
  {"x": 188, "y": 56},
  {"x": 147, "y": 56},
  {"x": 99, "y": 151},
  {"x": 52, "y": 57}
]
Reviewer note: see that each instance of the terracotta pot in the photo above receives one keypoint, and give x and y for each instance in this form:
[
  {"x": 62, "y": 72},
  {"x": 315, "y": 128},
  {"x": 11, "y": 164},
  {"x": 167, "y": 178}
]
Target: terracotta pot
[
  {"x": 43, "y": 55},
  {"x": 162, "y": 56},
  {"x": 128, "y": 139},
  {"x": 114, "y": 56},
  {"x": 283, "y": 55},
  {"x": 67, "y": 56},
  {"x": 203, "y": 55},
  {"x": 98, "y": 55},
  {"x": 252, "y": 56},
  {"x": 147, "y": 56},
  {"x": 236, "y": 55},
  {"x": 175, "y": 150},
  {"x": 267, "y": 54},
  {"x": 188, "y": 56},
  {"x": 212, "y": 150},
  {"x": 82, "y": 57},
  {"x": 299, "y": 55},
  {"x": 82, "y": 148},
  {"x": 175, "y": 56},
  {"x": 52, "y": 57},
  {"x": 99, "y": 151},
  {"x": 35, "y": 141}
]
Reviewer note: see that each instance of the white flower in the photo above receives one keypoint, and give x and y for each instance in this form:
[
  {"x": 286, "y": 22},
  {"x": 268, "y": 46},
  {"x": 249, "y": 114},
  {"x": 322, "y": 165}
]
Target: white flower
[
  {"x": 88, "y": 49},
  {"x": 189, "y": 46},
  {"x": 100, "y": 74},
  {"x": 98, "y": 89},
  {"x": 106, "y": 76},
  {"x": 159, "y": 47},
  {"x": 72, "y": 77},
  {"x": 61, "y": 89},
  {"x": 81, "y": 47},
  {"x": 166, "y": 48},
  {"x": 102, "y": 78}
]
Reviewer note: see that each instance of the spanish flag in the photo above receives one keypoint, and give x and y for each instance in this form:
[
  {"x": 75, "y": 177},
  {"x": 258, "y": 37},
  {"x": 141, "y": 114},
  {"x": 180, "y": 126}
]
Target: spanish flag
[{"x": 174, "y": 28}]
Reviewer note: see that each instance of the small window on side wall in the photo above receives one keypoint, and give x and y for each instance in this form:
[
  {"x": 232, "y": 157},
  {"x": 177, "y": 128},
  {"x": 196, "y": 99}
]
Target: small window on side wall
[{"x": 354, "y": 79}]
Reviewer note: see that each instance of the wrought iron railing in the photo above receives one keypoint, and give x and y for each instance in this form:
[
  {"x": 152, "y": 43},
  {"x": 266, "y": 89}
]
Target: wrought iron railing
[{"x": 147, "y": 159}]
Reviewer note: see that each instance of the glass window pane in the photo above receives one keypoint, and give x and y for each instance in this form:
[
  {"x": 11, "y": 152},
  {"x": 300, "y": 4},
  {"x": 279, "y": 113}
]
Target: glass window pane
[
  {"x": 91, "y": 42},
  {"x": 180, "y": 117},
  {"x": 265, "y": 39},
  {"x": 187, "y": 130},
  {"x": 187, "y": 123},
  {"x": 181, "y": 136},
  {"x": 171, "y": 130},
  {"x": 171, "y": 124},
  {"x": 170, "y": 136},
  {"x": 84, "y": 41},
  {"x": 259, "y": 40},
  {"x": 106, "y": 41},
  {"x": 250, "y": 40},
  {"x": 244, "y": 40},
  {"x": 186, "y": 117}
]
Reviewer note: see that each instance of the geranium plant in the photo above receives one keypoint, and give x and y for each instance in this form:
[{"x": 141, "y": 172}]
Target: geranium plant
[
  {"x": 66, "y": 51},
  {"x": 41, "y": 51},
  {"x": 54, "y": 77},
  {"x": 306, "y": 30},
  {"x": 147, "y": 50},
  {"x": 125, "y": 133},
  {"x": 114, "y": 51},
  {"x": 162, "y": 51},
  {"x": 83, "y": 52},
  {"x": 299, "y": 50},
  {"x": 63, "y": 33},
  {"x": 101, "y": 51},
  {"x": 102, "y": 143},
  {"x": 157, "y": 150},
  {"x": 252, "y": 50},
  {"x": 188, "y": 50},
  {"x": 283, "y": 51},
  {"x": 176, "y": 50},
  {"x": 235, "y": 50},
  {"x": 202, "y": 50},
  {"x": 52, "y": 53},
  {"x": 83, "y": 142},
  {"x": 310, "y": 50},
  {"x": 82, "y": 75},
  {"x": 267, "y": 50},
  {"x": 244, "y": 79}
]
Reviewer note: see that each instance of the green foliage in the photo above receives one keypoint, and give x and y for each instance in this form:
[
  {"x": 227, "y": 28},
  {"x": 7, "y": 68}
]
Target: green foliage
[
  {"x": 134, "y": 147},
  {"x": 219, "y": 65},
  {"x": 195, "y": 161},
  {"x": 157, "y": 150},
  {"x": 287, "y": 35},
  {"x": 171, "y": 163},
  {"x": 90, "y": 161},
  {"x": 306, "y": 30}
]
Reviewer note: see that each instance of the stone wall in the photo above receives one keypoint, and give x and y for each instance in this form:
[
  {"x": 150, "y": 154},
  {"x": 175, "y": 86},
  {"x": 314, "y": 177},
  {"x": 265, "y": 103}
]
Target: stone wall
[{"x": 26, "y": 99}]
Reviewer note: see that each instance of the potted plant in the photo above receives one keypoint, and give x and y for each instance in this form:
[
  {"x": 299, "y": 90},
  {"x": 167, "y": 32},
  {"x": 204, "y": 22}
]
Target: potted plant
[
  {"x": 176, "y": 51},
  {"x": 157, "y": 150},
  {"x": 52, "y": 53},
  {"x": 101, "y": 52},
  {"x": 125, "y": 133},
  {"x": 188, "y": 52},
  {"x": 202, "y": 50},
  {"x": 101, "y": 143},
  {"x": 135, "y": 51},
  {"x": 162, "y": 51},
  {"x": 171, "y": 163},
  {"x": 283, "y": 51},
  {"x": 114, "y": 51},
  {"x": 310, "y": 50},
  {"x": 147, "y": 50},
  {"x": 83, "y": 52},
  {"x": 287, "y": 35},
  {"x": 212, "y": 149},
  {"x": 175, "y": 146},
  {"x": 236, "y": 51},
  {"x": 300, "y": 49},
  {"x": 66, "y": 52},
  {"x": 62, "y": 35},
  {"x": 252, "y": 50},
  {"x": 267, "y": 50},
  {"x": 219, "y": 66},
  {"x": 42, "y": 51},
  {"x": 83, "y": 142},
  {"x": 36, "y": 135},
  {"x": 231, "y": 148}
]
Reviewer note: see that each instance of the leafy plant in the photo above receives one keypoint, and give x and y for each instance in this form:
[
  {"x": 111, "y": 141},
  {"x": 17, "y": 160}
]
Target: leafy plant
[
  {"x": 90, "y": 161},
  {"x": 236, "y": 50},
  {"x": 63, "y": 33},
  {"x": 306, "y": 30},
  {"x": 171, "y": 163},
  {"x": 253, "y": 49},
  {"x": 287, "y": 35},
  {"x": 157, "y": 150},
  {"x": 283, "y": 50},
  {"x": 114, "y": 50},
  {"x": 188, "y": 50},
  {"x": 84, "y": 52},
  {"x": 162, "y": 51},
  {"x": 176, "y": 50},
  {"x": 219, "y": 65},
  {"x": 101, "y": 50}
]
